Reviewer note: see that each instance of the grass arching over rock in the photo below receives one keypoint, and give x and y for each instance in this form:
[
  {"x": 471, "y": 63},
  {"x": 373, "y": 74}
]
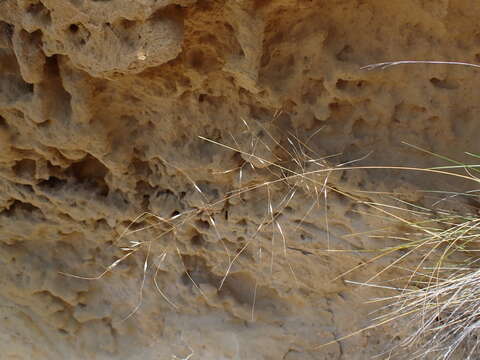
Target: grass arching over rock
[{"x": 439, "y": 294}]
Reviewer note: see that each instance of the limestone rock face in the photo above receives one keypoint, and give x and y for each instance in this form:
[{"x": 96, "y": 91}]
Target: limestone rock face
[{"x": 207, "y": 114}]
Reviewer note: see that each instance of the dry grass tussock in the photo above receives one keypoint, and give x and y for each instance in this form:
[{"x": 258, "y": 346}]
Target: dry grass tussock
[{"x": 441, "y": 294}]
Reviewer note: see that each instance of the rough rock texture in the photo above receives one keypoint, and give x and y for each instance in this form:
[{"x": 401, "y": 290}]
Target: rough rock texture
[{"x": 102, "y": 103}]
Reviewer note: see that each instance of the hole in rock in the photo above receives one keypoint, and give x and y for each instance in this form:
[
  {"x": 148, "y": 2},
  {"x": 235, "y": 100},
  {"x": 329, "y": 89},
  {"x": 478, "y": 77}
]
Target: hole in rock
[
  {"x": 197, "y": 240},
  {"x": 90, "y": 170},
  {"x": 73, "y": 28},
  {"x": 25, "y": 168}
]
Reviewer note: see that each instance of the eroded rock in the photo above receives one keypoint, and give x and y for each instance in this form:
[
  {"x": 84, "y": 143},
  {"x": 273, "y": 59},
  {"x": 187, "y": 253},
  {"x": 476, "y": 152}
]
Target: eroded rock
[{"x": 228, "y": 121}]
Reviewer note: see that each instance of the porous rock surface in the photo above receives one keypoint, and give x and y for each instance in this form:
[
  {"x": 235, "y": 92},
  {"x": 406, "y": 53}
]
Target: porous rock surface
[{"x": 102, "y": 106}]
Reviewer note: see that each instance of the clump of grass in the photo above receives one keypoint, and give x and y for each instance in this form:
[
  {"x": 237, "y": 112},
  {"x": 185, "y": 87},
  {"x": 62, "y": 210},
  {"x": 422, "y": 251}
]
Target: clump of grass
[
  {"x": 445, "y": 310},
  {"x": 441, "y": 297},
  {"x": 438, "y": 275}
]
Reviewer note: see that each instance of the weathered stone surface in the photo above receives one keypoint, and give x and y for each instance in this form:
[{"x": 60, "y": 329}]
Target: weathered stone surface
[{"x": 102, "y": 106}]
